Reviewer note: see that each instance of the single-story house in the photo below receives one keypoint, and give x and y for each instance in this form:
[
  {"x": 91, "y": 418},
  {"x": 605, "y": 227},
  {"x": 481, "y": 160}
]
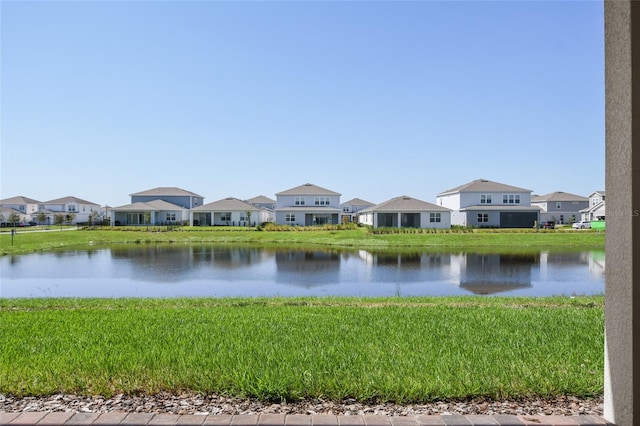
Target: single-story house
[
  {"x": 230, "y": 212},
  {"x": 406, "y": 212},
  {"x": 156, "y": 212}
]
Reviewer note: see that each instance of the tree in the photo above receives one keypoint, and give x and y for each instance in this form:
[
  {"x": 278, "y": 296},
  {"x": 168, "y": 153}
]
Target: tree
[
  {"x": 248, "y": 215},
  {"x": 13, "y": 219},
  {"x": 93, "y": 217},
  {"x": 41, "y": 217},
  {"x": 58, "y": 219},
  {"x": 69, "y": 218}
]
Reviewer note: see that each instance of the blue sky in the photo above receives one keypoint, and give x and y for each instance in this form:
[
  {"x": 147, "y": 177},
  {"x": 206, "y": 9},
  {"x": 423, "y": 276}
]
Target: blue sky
[{"x": 370, "y": 99}]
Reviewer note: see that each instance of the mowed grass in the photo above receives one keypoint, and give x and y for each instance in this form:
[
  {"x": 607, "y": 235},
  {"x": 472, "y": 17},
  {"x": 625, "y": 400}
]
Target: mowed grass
[
  {"x": 391, "y": 349},
  {"x": 27, "y": 242}
]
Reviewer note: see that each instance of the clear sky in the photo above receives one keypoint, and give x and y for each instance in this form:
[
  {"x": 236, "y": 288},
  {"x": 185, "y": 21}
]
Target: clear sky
[{"x": 371, "y": 99}]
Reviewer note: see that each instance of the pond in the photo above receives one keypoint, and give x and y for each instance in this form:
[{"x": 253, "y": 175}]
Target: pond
[{"x": 220, "y": 271}]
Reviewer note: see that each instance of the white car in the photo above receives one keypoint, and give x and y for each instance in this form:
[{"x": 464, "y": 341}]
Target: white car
[{"x": 583, "y": 224}]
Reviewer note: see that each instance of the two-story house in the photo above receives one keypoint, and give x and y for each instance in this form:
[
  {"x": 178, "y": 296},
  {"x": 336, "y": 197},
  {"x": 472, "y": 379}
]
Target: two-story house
[
  {"x": 406, "y": 212},
  {"x": 351, "y": 209},
  {"x": 560, "y": 207},
  {"x": 308, "y": 205},
  {"x": 73, "y": 209},
  {"x": 596, "y": 209},
  {"x": 157, "y": 206},
  {"x": 25, "y": 207},
  {"x": 484, "y": 203},
  {"x": 262, "y": 201}
]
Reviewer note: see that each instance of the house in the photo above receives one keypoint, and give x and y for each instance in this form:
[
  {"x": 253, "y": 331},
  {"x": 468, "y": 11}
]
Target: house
[
  {"x": 406, "y": 212},
  {"x": 22, "y": 205},
  {"x": 154, "y": 212},
  {"x": 173, "y": 195},
  {"x": 485, "y": 203},
  {"x": 307, "y": 205},
  {"x": 230, "y": 212},
  {"x": 262, "y": 201},
  {"x": 73, "y": 209},
  {"x": 6, "y": 214},
  {"x": 351, "y": 209},
  {"x": 560, "y": 207},
  {"x": 596, "y": 208}
]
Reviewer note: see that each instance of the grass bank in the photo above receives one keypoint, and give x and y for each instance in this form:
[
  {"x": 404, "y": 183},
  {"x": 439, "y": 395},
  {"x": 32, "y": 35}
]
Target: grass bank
[
  {"x": 28, "y": 242},
  {"x": 402, "y": 350}
]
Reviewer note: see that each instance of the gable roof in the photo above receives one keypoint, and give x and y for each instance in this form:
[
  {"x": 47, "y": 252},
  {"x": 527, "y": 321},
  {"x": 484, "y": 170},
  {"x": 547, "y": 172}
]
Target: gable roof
[
  {"x": 69, "y": 199},
  {"x": 167, "y": 191},
  {"x": 308, "y": 189},
  {"x": 261, "y": 199},
  {"x": 19, "y": 200},
  {"x": 155, "y": 205},
  {"x": 558, "y": 196},
  {"x": 407, "y": 204},
  {"x": 484, "y": 185},
  {"x": 226, "y": 204},
  {"x": 358, "y": 202}
]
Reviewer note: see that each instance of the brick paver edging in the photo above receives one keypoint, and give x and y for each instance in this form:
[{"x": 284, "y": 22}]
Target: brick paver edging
[{"x": 149, "y": 419}]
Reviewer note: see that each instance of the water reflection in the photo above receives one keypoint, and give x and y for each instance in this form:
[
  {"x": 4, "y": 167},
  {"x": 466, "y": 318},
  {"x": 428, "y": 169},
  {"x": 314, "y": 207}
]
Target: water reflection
[{"x": 218, "y": 271}]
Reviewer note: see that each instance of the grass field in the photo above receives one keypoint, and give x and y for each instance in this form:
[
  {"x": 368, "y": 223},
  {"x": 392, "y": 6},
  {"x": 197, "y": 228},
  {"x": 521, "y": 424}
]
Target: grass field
[
  {"x": 402, "y": 350},
  {"x": 27, "y": 242}
]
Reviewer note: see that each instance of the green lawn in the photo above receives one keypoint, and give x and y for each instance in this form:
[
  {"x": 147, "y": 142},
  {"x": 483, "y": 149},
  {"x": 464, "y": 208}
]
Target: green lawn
[
  {"x": 402, "y": 350},
  {"x": 27, "y": 242}
]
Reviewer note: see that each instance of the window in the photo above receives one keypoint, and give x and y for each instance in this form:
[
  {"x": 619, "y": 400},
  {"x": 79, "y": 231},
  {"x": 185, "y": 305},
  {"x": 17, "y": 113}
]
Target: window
[
  {"x": 322, "y": 201},
  {"x": 483, "y": 217},
  {"x": 226, "y": 216},
  {"x": 558, "y": 205},
  {"x": 71, "y": 208},
  {"x": 299, "y": 201},
  {"x": 21, "y": 208},
  {"x": 434, "y": 217},
  {"x": 171, "y": 217},
  {"x": 485, "y": 198},
  {"x": 345, "y": 209},
  {"x": 290, "y": 217},
  {"x": 511, "y": 199},
  {"x": 243, "y": 216}
]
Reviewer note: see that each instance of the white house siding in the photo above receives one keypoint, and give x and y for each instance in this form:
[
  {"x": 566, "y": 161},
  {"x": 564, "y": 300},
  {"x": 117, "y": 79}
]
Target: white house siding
[{"x": 458, "y": 218}]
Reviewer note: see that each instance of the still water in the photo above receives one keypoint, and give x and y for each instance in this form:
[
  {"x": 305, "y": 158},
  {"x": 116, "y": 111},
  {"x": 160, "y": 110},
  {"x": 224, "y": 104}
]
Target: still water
[{"x": 214, "y": 271}]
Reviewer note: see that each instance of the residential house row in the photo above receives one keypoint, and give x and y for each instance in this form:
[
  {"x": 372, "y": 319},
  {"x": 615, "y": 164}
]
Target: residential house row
[{"x": 480, "y": 203}]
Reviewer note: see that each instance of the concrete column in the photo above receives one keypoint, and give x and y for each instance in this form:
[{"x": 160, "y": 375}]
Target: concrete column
[{"x": 622, "y": 288}]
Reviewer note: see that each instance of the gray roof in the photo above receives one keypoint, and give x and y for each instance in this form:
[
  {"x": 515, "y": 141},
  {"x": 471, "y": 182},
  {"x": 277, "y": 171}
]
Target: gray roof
[
  {"x": 69, "y": 199},
  {"x": 558, "y": 196},
  {"x": 484, "y": 185},
  {"x": 308, "y": 189},
  {"x": 19, "y": 200},
  {"x": 261, "y": 199},
  {"x": 226, "y": 204},
  {"x": 155, "y": 205},
  {"x": 357, "y": 202},
  {"x": 167, "y": 191},
  {"x": 406, "y": 204}
]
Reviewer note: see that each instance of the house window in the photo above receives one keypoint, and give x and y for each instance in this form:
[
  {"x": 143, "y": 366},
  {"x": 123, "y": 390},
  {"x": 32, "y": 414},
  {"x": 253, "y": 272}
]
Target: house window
[
  {"x": 21, "y": 208},
  {"x": 322, "y": 201},
  {"x": 483, "y": 217},
  {"x": 171, "y": 217},
  {"x": 485, "y": 198},
  {"x": 226, "y": 216},
  {"x": 558, "y": 205},
  {"x": 345, "y": 209},
  {"x": 299, "y": 201},
  {"x": 290, "y": 217},
  {"x": 71, "y": 208},
  {"x": 243, "y": 216},
  {"x": 511, "y": 199},
  {"x": 434, "y": 217}
]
